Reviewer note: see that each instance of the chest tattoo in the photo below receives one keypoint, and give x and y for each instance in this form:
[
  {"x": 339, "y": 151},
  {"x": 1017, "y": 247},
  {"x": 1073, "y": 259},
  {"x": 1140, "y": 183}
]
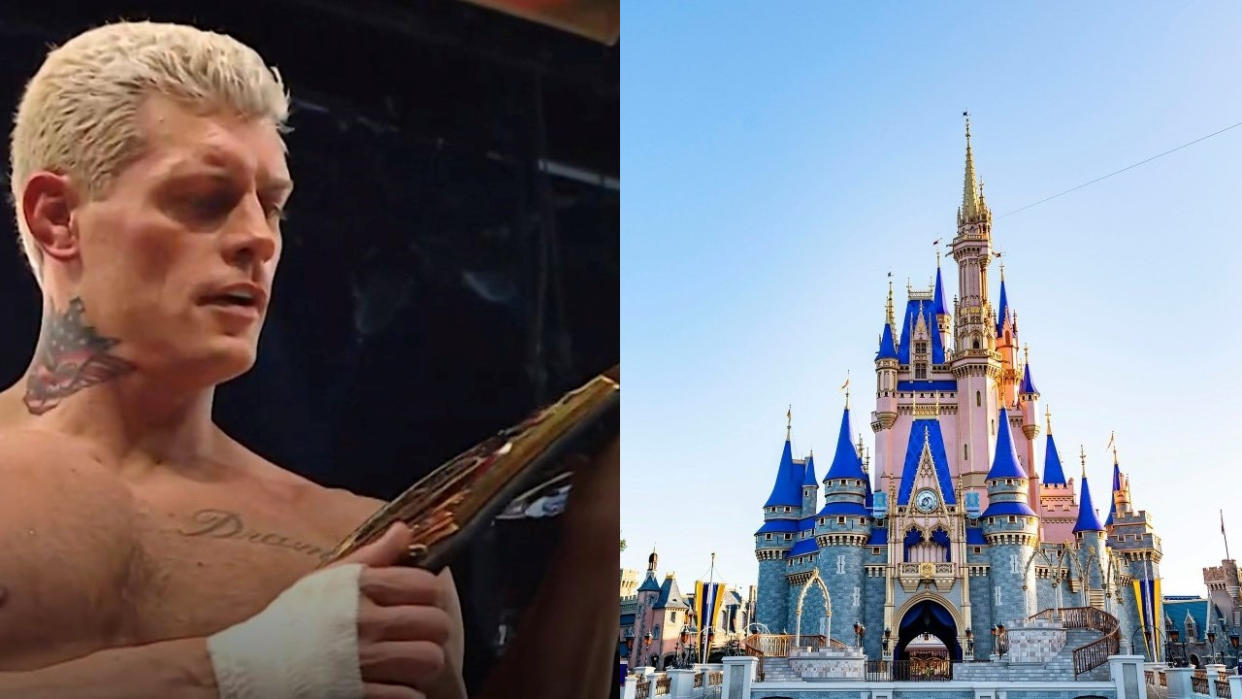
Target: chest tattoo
[{"x": 224, "y": 524}]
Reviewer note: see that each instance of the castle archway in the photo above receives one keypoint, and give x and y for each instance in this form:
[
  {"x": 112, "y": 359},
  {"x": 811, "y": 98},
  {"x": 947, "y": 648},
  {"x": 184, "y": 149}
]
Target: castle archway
[
  {"x": 927, "y": 616},
  {"x": 813, "y": 580}
]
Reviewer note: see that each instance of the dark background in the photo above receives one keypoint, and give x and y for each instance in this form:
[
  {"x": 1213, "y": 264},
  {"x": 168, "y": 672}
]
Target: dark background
[{"x": 437, "y": 282}]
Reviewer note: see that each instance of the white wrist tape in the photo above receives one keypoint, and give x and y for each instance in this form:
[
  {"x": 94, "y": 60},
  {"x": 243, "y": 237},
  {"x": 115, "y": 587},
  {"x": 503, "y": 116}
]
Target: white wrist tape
[{"x": 304, "y": 645}]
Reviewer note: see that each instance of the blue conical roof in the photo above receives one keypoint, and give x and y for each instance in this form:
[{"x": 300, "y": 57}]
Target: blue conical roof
[
  {"x": 845, "y": 462},
  {"x": 888, "y": 349},
  {"x": 938, "y": 304},
  {"x": 1053, "y": 473},
  {"x": 1005, "y": 463},
  {"x": 1112, "y": 509},
  {"x": 1088, "y": 521},
  {"x": 650, "y": 584},
  {"x": 1003, "y": 310},
  {"x": 787, "y": 489},
  {"x": 808, "y": 478},
  {"x": 1028, "y": 386}
]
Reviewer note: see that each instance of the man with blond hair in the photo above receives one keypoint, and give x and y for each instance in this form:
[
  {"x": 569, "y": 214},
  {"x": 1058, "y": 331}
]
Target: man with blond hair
[{"x": 143, "y": 552}]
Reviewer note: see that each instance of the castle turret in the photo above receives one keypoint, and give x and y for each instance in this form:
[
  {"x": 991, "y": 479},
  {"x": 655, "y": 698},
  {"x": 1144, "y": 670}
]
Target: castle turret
[
  {"x": 940, "y": 309},
  {"x": 1028, "y": 402},
  {"x": 810, "y": 487},
  {"x": 1090, "y": 548},
  {"x": 645, "y": 621},
  {"x": 1010, "y": 528},
  {"x": 781, "y": 515},
  {"x": 975, "y": 364},
  {"x": 842, "y": 529},
  {"x": 1056, "y": 496},
  {"x": 885, "y": 415}
]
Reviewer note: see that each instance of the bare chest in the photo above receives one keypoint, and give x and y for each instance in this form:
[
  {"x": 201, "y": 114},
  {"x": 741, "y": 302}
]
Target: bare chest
[
  {"x": 132, "y": 567},
  {"x": 196, "y": 571}
]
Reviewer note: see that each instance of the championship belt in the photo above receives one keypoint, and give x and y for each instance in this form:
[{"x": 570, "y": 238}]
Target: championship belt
[{"x": 464, "y": 494}]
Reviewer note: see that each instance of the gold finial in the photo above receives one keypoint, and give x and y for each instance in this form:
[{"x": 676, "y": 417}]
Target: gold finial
[
  {"x": 888, "y": 305},
  {"x": 859, "y": 446},
  {"x": 788, "y": 421},
  {"x": 1026, "y": 347},
  {"x": 1048, "y": 417},
  {"x": 937, "y": 257},
  {"x": 1082, "y": 456},
  {"x": 1002, "y": 269},
  {"x": 846, "y": 387}
]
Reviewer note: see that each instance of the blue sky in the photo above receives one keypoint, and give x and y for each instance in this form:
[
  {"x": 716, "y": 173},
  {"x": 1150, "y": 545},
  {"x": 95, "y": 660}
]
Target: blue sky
[{"x": 780, "y": 159}]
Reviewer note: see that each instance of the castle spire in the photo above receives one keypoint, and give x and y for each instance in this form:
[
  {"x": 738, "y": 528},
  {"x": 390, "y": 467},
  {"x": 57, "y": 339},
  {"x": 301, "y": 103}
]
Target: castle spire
[
  {"x": 1088, "y": 520},
  {"x": 888, "y": 305},
  {"x": 970, "y": 191},
  {"x": 1053, "y": 473}
]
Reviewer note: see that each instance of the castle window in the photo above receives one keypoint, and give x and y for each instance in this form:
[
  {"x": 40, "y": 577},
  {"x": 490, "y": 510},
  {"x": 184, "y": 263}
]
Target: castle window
[
  {"x": 978, "y": 395},
  {"x": 787, "y": 536},
  {"x": 978, "y": 550},
  {"x": 674, "y": 619},
  {"x": 862, "y": 520},
  {"x": 993, "y": 432},
  {"x": 875, "y": 550},
  {"x": 965, "y": 452},
  {"x": 840, "y": 520},
  {"x": 975, "y": 344},
  {"x": 920, "y": 371},
  {"x": 1012, "y": 519},
  {"x": 920, "y": 348},
  {"x": 767, "y": 537}
]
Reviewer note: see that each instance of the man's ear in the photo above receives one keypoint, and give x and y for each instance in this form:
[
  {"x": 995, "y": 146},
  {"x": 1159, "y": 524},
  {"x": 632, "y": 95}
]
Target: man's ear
[{"x": 48, "y": 202}]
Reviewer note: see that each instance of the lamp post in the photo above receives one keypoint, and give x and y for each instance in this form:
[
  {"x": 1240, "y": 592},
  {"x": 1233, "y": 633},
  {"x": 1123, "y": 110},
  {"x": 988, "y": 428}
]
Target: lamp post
[
  {"x": 888, "y": 635},
  {"x": 1233, "y": 643},
  {"x": 859, "y": 632},
  {"x": 1171, "y": 656},
  {"x": 1211, "y": 637},
  {"x": 970, "y": 644},
  {"x": 647, "y": 647},
  {"x": 683, "y": 652}
]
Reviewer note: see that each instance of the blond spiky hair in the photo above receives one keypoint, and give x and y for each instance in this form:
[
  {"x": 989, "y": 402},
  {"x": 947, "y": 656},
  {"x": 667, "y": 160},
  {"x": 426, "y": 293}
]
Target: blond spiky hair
[{"x": 78, "y": 115}]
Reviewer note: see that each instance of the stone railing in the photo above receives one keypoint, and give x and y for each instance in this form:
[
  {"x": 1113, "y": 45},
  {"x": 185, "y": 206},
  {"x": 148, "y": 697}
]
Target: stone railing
[
  {"x": 1095, "y": 653},
  {"x": 911, "y": 575},
  {"x": 779, "y": 645},
  {"x": 699, "y": 682}
]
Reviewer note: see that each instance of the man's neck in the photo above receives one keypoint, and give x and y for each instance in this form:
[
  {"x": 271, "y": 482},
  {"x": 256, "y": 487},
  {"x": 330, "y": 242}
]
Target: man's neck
[
  {"x": 133, "y": 419},
  {"x": 79, "y": 383}
]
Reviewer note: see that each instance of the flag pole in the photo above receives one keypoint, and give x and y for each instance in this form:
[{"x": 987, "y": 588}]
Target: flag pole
[
  {"x": 705, "y": 607},
  {"x": 1224, "y": 535}
]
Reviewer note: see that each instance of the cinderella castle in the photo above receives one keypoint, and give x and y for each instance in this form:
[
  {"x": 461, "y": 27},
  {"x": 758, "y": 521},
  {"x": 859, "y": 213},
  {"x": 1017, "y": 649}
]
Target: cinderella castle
[{"x": 966, "y": 520}]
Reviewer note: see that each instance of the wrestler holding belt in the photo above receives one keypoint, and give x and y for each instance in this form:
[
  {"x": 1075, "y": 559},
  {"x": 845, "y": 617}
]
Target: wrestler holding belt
[{"x": 143, "y": 552}]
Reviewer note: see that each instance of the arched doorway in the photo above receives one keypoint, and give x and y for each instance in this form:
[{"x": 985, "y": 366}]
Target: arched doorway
[{"x": 931, "y": 618}]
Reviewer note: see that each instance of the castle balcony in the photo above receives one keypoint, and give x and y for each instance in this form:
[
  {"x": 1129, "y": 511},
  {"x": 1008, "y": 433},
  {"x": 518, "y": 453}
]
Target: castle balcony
[{"x": 942, "y": 575}]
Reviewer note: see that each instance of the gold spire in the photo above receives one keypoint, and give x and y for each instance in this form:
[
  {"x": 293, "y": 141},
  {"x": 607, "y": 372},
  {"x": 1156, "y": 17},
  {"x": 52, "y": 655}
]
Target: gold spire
[
  {"x": 860, "y": 446},
  {"x": 1026, "y": 347},
  {"x": 1082, "y": 456},
  {"x": 888, "y": 305},
  {"x": 970, "y": 194},
  {"x": 1048, "y": 417},
  {"x": 788, "y": 421}
]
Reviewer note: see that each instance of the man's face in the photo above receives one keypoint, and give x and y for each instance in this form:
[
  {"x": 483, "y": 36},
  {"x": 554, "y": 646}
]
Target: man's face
[{"x": 177, "y": 261}]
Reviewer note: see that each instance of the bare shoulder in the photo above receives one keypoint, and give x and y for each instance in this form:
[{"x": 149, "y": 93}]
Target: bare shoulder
[
  {"x": 37, "y": 466},
  {"x": 337, "y": 510}
]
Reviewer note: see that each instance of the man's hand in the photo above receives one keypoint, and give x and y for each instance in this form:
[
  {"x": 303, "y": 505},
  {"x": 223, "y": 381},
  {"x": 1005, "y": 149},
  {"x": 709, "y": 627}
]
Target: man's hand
[{"x": 403, "y": 625}]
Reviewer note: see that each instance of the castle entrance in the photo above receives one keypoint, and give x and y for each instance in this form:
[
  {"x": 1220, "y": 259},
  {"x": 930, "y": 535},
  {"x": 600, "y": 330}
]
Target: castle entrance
[{"x": 923, "y": 622}]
